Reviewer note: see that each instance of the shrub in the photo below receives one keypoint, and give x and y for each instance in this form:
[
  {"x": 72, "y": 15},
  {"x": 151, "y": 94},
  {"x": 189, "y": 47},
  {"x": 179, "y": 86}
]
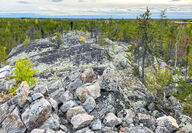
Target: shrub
[
  {"x": 23, "y": 72},
  {"x": 58, "y": 38},
  {"x": 3, "y": 54},
  {"x": 159, "y": 82},
  {"x": 27, "y": 41},
  {"x": 184, "y": 87}
]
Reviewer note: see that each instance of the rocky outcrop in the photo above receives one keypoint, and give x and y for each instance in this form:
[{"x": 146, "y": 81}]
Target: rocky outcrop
[{"x": 84, "y": 88}]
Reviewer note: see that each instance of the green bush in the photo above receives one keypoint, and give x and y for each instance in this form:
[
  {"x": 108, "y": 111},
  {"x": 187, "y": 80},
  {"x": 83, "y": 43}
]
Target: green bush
[
  {"x": 159, "y": 82},
  {"x": 27, "y": 41},
  {"x": 184, "y": 87},
  {"x": 58, "y": 38},
  {"x": 23, "y": 72}
]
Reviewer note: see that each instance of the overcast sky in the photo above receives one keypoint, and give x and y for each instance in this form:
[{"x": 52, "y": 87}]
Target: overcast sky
[{"x": 94, "y": 8}]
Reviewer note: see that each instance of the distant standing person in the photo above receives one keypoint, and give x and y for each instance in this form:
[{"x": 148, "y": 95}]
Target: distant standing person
[{"x": 71, "y": 25}]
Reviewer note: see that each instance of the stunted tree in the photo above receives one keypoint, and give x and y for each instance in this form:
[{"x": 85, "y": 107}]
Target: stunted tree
[{"x": 145, "y": 37}]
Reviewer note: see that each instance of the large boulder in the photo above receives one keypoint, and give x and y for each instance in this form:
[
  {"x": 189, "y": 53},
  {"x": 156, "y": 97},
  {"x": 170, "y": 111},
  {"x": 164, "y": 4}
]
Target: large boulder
[
  {"x": 89, "y": 104},
  {"x": 3, "y": 111},
  {"x": 93, "y": 90},
  {"x": 109, "y": 80},
  {"x": 87, "y": 76},
  {"x": 21, "y": 94},
  {"x": 111, "y": 120},
  {"x": 36, "y": 114},
  {"x": 147, "y": 120},
  {"x": 96, "y": 125},
  {"x": 74, "y": 111},
  {"x": 53, "y": 122},
  {"x": 127, "y": 115},
  {"x": 61, "y": 96},
  {"x": 166, "y": 124},
  {"x": 81, "y": 120},
  {"x": 13, "y": 123},
  {"x": 66, "y": 106}
]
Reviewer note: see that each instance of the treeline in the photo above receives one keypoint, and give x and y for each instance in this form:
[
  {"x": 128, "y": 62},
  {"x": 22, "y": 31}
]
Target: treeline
[{"x": 15, "y": 31}]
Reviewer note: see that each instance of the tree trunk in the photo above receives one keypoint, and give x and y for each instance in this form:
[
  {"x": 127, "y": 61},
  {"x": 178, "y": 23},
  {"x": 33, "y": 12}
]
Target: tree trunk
[
  {"x": 143, "y": 65},
  {"x": 176, "y": 51}
]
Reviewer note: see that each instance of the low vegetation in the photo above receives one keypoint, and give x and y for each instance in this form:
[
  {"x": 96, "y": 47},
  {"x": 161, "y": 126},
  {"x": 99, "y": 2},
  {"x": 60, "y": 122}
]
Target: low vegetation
[{"x": 23, "y": 72}]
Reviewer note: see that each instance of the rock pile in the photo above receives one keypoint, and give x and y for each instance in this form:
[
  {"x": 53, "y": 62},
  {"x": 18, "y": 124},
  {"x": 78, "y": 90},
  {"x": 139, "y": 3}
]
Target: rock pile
[
  {"x": 87, "y": 109},
  {"x": 98, "y": 99}
]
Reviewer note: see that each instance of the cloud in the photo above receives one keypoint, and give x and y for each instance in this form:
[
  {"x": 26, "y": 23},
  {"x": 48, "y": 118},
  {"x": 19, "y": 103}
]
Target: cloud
[
  {"x": 175, "y": 0},
  {"x": 23, "y": 2},
  {"x": 57, "y": 0}
]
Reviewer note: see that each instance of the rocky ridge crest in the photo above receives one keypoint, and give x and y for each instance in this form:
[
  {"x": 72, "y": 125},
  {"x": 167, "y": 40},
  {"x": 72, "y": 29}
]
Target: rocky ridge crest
[{"x": 83, "y": 87}]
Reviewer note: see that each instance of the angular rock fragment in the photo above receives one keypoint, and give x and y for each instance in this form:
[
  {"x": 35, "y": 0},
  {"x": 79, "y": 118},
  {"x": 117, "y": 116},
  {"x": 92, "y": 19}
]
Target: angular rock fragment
[
  {"x": 87, "y": 76},
  {"x": 89, "y": 104},
  {"x": 96, "y": 125},
  {"x": 21, "y": 94},
  {"x": 111, "y": 120},
  {"x": 166, "y": 123},
  {"x": 13, "y": 123},
  {"x": 38, "y": 131},
  {"x": 81, "y": 120},
  {"x": 74, "y": 111},
  {"x": 36, "y": 114},
  {"x": 66, "y": 106},
  {"x": 93, "y": 90},
  {"x": 84, "y": 130}
]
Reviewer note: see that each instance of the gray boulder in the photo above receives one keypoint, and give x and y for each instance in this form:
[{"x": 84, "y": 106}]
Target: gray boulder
[
  {"x": 96, "y": 125},
  {"x": 66, "y": 106},
  {"x": 87, "y": 76},
  {"x": 38, "y": 131},
  {"x": 21, "y": 94},
  {"x": 3, "y": 111},
  {"x": 147, "y": 120},
  {"x": 93, "y": 90},
  {"x": 13, "y": 123},
  {"x": 37, "y": 96},
  {"x": 89, "y": 104},
  {"x": 81, "y": 120},
  {"x": 166, "y": 124},
  {"x": 127, "y": 115},
  {"x": 53, "y": 122},
  {"x": 74, "y": 111},
  {"x": 111, "y": 120},
  {"x": 36, "y": 114}
]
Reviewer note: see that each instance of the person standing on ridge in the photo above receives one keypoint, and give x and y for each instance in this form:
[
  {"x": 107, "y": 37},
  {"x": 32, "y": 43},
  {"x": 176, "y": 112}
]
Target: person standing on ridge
[{"x": 71, "y": 24}]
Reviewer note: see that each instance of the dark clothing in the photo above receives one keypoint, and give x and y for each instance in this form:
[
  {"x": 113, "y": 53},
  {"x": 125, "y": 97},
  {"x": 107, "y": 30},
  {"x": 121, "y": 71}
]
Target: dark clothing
[{"x": 71, "y": 25}]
